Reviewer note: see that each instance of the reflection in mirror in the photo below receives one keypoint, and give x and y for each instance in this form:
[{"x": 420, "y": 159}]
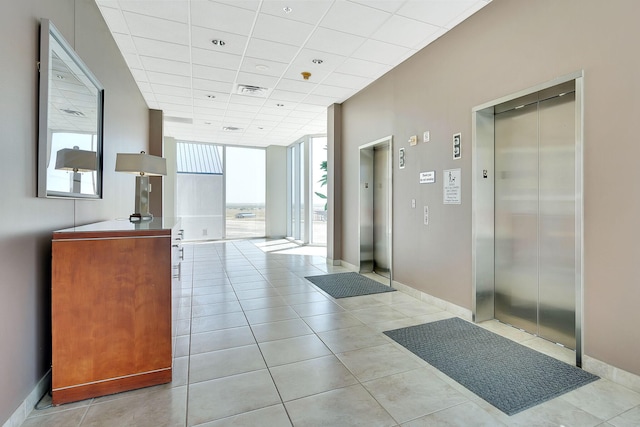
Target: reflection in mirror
[{"x": 70, "y": 134}]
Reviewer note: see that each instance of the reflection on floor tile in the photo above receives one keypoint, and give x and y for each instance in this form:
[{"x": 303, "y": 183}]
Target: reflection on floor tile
[{"x": 258, "y": 345}]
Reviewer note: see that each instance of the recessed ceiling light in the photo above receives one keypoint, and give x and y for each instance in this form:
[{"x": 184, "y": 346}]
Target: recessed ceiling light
[
  {"x": 218, "y": 42},
  {"x": 260, "y": 127},
  {"x": 280, "y": 105},
  {"x": 262, "y": 67},
  {"x": 211, "y": 96},
  {"x": 317, "y": 61},
  {"x": 287, "y": 9},
  {"x": 60, "y": 76}
]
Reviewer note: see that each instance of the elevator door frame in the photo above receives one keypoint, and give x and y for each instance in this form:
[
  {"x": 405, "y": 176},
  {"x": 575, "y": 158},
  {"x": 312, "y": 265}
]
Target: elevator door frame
[
  {"x": 483, "y": 199},
  {"x": 365, "y": 222}
]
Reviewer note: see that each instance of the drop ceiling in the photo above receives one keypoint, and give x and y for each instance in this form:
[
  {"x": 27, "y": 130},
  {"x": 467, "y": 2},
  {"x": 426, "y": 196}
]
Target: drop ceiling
[{"x": 193, "y": 59}]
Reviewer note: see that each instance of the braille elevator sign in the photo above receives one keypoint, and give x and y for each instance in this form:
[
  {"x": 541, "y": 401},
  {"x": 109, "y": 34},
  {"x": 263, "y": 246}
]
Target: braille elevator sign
[{"x": 427, "y": 177}]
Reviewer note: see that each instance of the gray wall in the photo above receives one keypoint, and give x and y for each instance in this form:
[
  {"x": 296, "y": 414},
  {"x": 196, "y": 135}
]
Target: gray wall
[
  {"x": 27, "y": 221},
  {"x": 509, "y": 46}
]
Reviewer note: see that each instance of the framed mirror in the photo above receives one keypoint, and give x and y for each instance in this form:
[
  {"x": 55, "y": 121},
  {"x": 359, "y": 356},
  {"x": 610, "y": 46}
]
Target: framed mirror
[{"x": 70, "y": 121}]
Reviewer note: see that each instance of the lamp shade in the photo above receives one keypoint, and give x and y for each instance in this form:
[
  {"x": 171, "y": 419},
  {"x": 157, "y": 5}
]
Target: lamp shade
[
  {"x": 141, "y": 164},
  {"x": 73, "y": 159}
]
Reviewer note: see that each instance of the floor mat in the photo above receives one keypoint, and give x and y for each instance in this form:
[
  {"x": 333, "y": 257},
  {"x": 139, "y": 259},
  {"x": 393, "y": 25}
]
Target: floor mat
[
  {"x": 343, "y": 285},
  {"x": 506, "y": 374}
]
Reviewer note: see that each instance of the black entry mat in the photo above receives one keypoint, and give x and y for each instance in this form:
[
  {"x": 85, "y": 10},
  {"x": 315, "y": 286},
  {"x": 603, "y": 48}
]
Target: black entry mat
[
  {"x": 506, "y": 374},
  {"x": 343, "y": 285}
]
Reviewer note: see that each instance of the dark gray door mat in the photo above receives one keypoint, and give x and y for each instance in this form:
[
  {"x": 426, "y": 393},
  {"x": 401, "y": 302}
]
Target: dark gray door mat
[
  {"x": 343, "y": 285},
  {"x": 506, "y": 374}
]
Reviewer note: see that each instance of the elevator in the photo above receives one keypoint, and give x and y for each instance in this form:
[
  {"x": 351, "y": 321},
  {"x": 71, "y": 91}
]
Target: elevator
[
  {"x": 375, "y": 207},
  {"x": 527, "y": 212}
]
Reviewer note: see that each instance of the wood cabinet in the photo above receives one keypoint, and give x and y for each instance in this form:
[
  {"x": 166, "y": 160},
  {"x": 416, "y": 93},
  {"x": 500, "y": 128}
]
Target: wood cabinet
[{"x": 111, "y": 308}]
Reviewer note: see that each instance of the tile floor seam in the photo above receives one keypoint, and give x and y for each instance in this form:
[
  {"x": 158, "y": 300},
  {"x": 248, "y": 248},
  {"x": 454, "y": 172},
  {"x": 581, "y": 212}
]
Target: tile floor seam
[{"x": 266, "y": 365}]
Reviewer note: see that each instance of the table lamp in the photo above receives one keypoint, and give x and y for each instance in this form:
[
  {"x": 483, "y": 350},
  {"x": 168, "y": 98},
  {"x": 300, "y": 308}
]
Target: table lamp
[{"x": 143, "y": 166}]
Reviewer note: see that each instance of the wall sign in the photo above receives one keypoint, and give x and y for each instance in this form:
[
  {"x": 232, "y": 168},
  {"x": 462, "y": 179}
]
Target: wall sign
[
  {"x": 457, "y": 139},
  {"x": 452, "y": 187},
  {"x": 401, "y": 158},
  {"x": 427, "y": 177}
]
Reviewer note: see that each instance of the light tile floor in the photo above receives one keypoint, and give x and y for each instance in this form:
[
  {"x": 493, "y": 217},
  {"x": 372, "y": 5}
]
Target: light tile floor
[{"x": 258, "y": 345}]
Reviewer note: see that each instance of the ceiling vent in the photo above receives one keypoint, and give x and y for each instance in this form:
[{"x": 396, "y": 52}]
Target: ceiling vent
[
  {"x": 249, "y": 90},
  {"x": 230, "y": 128},
  {"x": 184, "y": 120}
]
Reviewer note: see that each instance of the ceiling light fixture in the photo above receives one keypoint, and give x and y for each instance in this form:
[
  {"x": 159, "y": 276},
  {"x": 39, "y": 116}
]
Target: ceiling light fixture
[
  {"x": 279, "y": 105},
  {"x": 211, "y": 96},
  {"x": 317, "y": 61},
  {"x": 287, "y": 9},
  {"x": 218, "y": 42}
]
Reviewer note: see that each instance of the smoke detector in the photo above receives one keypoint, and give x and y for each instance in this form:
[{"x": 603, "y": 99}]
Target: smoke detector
[{"x": 249, "y": 90}]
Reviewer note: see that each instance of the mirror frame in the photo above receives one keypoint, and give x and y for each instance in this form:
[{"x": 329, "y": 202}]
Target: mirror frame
[{"x": 49, "y": 35}]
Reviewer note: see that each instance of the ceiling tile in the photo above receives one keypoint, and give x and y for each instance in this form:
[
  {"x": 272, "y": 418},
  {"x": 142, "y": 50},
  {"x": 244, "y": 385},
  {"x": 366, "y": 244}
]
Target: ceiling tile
[
  {"x": 168, "y": 79},
  {"x": 338, "y": 93},
  {"x": 139, "y": 75},
  {"x": 310, "y": 107},
  {"x": 233, "y": 114},
  {"x": 302, "y": 86},
  {"x": 125, "y": 43},
  {"x": 166, "y": 9},
  {"x": 166, "y": 66},
  {"x": 282, "y": 30},
  {"x": 171, "y": 109},
  {"x": 246, "y": 100},
  {"x": 170, "y": 90},
  {"x": 211, "y": 85},
  {"x": 286, "y": 96},
  {"x": 323, "y": 101},
  {"x": 159, "y": 49},
  {"x": 303, "y": 11},
  {"x": 174, "y": 99},
  {"x": 359, "y": 67},
  {"x": 213, "y": 73},
  {"x": 221, "y": 17},
  {"x": 332, "y": 41},
  {"x": 386, "y": 5},
  {"x": 303, "y": 114},
  {"x": 241, "y": 107},
  {"x": 377, "y": 51},
  {"x": 354, "y": 18},
  {"x": 133, "y": 60},
  {"x": 157, "y": 29},
  {"x": 347, "y": 81},
  {"x": 215, "y": 59},
  {"x": 264, "y": 49},
  {"x": 435, "y": 12},
  {"x": 200, "y": 98},
  {"x": 245, "y": 4},
  {"x": 403, "y": 31},
  {"x": 115, "y": 20}
]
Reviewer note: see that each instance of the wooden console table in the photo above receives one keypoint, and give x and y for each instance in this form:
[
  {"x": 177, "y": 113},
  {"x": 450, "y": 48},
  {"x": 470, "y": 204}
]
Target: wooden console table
[{"x": 111, "y": 308}]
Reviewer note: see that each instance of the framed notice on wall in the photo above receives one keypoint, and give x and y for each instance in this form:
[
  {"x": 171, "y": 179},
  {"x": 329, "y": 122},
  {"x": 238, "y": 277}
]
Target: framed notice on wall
[{"x": 452, "y": 187}]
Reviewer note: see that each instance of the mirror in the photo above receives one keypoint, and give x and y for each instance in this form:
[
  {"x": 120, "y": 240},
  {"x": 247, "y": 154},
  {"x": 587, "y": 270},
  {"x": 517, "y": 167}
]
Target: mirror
[{"x": 70, "y": 122}]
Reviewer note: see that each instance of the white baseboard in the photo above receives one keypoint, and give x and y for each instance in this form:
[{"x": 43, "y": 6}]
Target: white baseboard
[{"x": 25, "y": 408}]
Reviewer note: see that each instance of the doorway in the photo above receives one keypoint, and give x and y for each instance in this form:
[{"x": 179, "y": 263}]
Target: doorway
[
  {"x": 527, "y": 204},
  {"x": 376, "y": 178}
]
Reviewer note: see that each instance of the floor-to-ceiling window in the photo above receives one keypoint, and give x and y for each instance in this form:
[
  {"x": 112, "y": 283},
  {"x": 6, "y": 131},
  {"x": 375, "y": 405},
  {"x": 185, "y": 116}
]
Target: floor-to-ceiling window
[
  {"x": 245, "y": 173},
  {"x": 306, "y": 193},
  {"x": 220, "y": 191}
]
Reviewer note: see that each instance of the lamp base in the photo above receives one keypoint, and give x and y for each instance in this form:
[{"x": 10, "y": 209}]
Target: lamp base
[{"x": 137, "y": 217}]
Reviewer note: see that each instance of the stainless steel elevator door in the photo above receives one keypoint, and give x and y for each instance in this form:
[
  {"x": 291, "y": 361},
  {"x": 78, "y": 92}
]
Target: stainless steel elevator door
[
  {"x": 381, "y": 229},
  {"x": 535, "y": 218}
]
